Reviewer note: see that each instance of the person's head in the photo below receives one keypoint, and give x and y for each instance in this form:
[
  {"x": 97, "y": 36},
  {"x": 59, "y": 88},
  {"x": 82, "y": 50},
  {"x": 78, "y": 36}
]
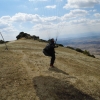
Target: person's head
[{"x": 52, "y": 40}]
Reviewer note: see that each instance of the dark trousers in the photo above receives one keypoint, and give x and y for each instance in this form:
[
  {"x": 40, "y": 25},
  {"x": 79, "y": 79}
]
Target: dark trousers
[{"x": 52, "y": 59}]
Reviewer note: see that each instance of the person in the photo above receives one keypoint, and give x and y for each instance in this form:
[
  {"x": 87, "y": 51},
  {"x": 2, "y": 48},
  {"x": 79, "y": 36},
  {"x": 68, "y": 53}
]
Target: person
[{"x": 49, "y": 50}]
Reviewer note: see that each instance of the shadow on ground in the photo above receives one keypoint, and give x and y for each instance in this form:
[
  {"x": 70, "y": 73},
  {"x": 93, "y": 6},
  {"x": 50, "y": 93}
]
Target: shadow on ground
[
  {"x": 50, "y": 88},
  {"x": 55, "y": 69}
]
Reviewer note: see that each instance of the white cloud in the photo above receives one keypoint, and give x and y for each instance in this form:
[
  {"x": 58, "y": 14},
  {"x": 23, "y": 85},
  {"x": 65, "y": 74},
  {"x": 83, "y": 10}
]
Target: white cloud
[
  {"x": 80, "y": 21},
  {"x": 75, "y": 13},
  {"x": 81, "y": 3},
  {"x": 33, "y": 18},
  {"x": 51, "y": 7},
  {"x": 67, "y": 28},
  {"x": 3, "y": 25},
  {"x": 53, "y": 19},
  {"x": 5, "y": 18},
  {"x": 9, "y": 32},
  {"x": 23, "y": 17},
  {"x": 97, "y": 15},
  {"x": 93, "y": 10},
  {"x": 48, "y": 26},
  {"x": 5, "y": 21}
]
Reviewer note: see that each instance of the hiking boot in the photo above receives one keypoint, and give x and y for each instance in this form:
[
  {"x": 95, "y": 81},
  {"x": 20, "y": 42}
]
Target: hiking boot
[{"x": 51, "y": 65}]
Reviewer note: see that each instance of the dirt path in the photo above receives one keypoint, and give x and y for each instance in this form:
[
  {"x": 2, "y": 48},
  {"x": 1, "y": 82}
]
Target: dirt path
[{"x": 27, "y": 67}]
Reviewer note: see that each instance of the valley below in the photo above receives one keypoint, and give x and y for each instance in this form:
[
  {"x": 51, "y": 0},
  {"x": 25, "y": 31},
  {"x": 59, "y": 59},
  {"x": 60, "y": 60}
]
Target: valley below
[{"x": 91, "y": 44}]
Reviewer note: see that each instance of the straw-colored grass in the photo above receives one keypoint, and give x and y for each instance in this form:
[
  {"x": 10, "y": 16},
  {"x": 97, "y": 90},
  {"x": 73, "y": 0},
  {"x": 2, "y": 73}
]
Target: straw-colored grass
[{"x": 25, "y": 73}]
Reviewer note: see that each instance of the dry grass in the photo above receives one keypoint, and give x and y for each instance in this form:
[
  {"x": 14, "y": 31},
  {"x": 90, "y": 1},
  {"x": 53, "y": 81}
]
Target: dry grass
[{"x": 25, "y": 73}]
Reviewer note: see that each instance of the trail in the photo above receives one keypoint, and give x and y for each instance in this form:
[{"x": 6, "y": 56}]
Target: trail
[{"x": 27, "y": 67}]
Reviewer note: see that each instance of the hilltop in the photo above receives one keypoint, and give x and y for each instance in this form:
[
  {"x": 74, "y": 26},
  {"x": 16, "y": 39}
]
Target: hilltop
[{"x": 25, "y": 73}]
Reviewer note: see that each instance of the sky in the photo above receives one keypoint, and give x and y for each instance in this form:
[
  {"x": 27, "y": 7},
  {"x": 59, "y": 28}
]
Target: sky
[{"x": 49, "y": 18}]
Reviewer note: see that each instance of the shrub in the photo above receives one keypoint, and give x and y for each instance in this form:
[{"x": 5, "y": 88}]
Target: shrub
[
  {"x": 41, "y": 40},
  {"x": 60, "y": 45},
  {"x": 27, "y": 36},
  {"x": 70, "y": 47},
  {"x": 86, "y": 53},
  {"x": 1, "y": 41},
  {"x": 92, "y": 56},
  {"x": 79, "y": 50}
]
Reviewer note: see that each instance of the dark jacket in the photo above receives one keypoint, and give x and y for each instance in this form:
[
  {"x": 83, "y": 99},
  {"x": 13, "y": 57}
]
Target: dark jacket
[
  {"x": 49, "y": 49},
  {"x": 52, "y": 46}
]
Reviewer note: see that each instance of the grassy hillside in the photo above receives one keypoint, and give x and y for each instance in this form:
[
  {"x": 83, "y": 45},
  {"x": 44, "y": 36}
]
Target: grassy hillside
[{"x": 25, "y": 73}]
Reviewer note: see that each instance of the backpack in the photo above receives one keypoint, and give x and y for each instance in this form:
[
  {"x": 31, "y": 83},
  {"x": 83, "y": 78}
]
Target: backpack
[{"x": 46, "y": 50}]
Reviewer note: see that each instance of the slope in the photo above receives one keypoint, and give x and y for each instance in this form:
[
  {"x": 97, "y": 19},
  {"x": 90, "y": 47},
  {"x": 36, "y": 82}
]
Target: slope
[{"x": 25, "y": 73}]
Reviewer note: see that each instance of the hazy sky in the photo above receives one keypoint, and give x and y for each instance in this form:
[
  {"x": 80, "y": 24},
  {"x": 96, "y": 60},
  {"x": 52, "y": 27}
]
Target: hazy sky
[{"x": 49, "y": 18}]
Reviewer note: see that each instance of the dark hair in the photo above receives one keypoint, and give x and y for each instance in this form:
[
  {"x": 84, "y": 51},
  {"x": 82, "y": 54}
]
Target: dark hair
[{"x": 52, "y": 39}]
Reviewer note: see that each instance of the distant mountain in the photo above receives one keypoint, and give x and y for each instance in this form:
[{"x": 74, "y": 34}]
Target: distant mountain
[{"x": 91, "y": 43}]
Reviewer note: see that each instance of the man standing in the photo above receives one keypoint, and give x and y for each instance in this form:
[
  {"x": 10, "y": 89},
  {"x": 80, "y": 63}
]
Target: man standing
[{"x": 50, "y": 51}]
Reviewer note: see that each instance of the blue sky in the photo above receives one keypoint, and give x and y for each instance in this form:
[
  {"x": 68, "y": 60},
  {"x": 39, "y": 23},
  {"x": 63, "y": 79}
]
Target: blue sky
[{"x": 49, "y": 18}]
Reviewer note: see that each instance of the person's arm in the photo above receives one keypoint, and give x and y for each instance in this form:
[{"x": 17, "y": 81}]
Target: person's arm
[{"x": 54, "y": 46}]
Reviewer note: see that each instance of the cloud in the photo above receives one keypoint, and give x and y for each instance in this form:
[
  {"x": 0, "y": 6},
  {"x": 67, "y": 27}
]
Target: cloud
[
  {"x": 53, "y": 19},
  {"x": 94, "y": 10},
  {"x": 97, "y": 15},
  {"x": 23, "y": 17},
  {"x": 33, "y": 18},
  {"x": 80, "y": 21},
  {"x": 8, "y": 31},
  {"x": 67, "y": 28},
  {"x": 3, "y": 25},
  {"x": 5, "y": 19},
  {"x": 73, "y": 22},
  {"x": 51, "y": 7},
  {"x": 5, "y": 22},
  {"x": 9, "y": 34},
  {"x": 75, "y": 14},
  {"x": 81, "y": 3}
]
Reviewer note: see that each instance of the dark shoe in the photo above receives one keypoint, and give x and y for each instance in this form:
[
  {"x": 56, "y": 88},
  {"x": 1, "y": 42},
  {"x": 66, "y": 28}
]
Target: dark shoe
[{"x": 51, "y": 66}]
